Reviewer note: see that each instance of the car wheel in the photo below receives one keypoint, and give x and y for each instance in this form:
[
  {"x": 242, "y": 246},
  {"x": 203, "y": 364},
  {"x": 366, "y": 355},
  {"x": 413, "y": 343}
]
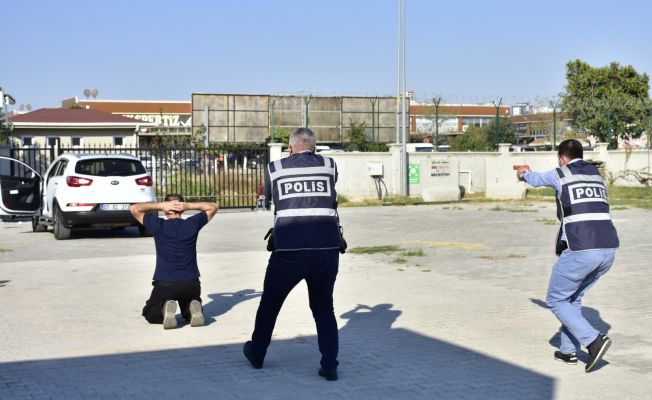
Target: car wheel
[
  {"x": 60, "y": 231},
  {"x": 36, "y": 227}
]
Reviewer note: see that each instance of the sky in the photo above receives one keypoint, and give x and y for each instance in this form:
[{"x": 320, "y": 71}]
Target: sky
[{"x": 467, "y": 52}]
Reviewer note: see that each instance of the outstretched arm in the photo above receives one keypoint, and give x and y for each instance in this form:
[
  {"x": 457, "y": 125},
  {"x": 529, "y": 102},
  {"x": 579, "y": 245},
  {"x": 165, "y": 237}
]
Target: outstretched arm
[{"x": 536, "y": 179}]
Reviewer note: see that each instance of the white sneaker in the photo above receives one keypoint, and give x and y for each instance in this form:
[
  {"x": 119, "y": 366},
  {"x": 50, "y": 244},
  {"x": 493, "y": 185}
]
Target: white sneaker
[
  {"x": 169, "y": 317},
  {"x": 196, "y": 314}
]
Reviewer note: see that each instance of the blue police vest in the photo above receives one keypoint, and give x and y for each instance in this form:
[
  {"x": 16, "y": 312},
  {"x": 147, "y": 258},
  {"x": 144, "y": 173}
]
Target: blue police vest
[
  {"x": 303, "y": 191},
  {"x": 583, "y": 209}
]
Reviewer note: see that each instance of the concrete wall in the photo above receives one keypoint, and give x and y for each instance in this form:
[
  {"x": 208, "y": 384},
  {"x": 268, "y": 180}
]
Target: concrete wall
[{"x": 490, "y": 173}]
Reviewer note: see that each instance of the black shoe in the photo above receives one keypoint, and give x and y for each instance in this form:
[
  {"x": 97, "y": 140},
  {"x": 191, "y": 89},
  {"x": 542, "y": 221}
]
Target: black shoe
[
  {"x": 570, "y": 359},
  {"x": 254, "y": 361},
  {"x": 329, "y": 375},
  {"x": 596, "y": 351}
]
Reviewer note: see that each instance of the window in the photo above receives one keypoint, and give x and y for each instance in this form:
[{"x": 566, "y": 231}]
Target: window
[
  {"x": 75, "y": 141},
  {"x": 28, "y": 141},
  {"x": 118, "y": 141},
  {"x": 52, "y": 141},
  {"x": 109, "y": 167}
]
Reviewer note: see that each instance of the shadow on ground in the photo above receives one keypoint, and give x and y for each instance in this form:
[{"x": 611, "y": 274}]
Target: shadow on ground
[
  {"x": 377, "y": 361},
  {"x": 593, "y": 316},
  {"x": 221, "y": 303},
  {"x": 4, "y": 283}
]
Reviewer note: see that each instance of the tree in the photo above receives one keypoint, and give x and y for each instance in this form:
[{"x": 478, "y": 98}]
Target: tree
[
  {"x": 474, "y": 139},
  {"x": 607, "y": 102},
  {"x": 507, "y": 132},
  {"x": 5, "y": 129},
  {"x": 356, "y": 136},
  {"x": 358, "y": 139},
  {"x": 281, "y": 135}
]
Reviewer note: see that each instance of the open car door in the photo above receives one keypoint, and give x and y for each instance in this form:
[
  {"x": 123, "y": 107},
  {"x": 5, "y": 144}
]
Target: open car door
[{"x": 20, "y": 188}]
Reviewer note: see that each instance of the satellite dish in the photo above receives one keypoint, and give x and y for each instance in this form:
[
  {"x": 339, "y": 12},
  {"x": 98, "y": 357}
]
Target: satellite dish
[
  {"x": 28, "y": 107},
  {"x": 87, "y": 93},
  {"x": 94, "y": 93},
  {"x": 22, "y": 107}
]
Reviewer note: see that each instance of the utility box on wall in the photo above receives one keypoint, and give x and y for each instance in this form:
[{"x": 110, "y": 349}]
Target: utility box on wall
[{"x": 375, "y": 169}]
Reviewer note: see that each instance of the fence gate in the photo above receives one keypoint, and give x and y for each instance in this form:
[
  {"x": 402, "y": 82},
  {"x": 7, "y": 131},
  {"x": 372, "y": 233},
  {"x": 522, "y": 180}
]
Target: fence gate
[{"x": 231, "y": 175}]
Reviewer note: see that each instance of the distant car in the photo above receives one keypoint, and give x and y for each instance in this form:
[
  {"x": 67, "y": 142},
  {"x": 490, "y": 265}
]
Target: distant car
[
  {"x": 149, "y": 162},
  {"x": 519, "y": 149},
  {"x": 90, "y": 190},
  {"x": 420, "y": 147}
]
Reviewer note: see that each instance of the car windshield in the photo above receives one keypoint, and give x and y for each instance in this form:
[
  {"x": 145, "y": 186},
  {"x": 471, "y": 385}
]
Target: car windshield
[{"x": 110, "y": 167}]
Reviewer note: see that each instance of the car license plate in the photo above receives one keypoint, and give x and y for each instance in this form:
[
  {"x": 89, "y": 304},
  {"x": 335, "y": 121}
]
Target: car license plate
[{"x": 114, "y": 207}]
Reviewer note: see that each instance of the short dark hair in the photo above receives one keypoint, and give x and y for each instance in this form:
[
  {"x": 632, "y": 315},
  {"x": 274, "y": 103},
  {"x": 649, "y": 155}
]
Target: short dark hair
[
  {"x": 571, "y": 148},
  {"x": 174, "y": 196}
]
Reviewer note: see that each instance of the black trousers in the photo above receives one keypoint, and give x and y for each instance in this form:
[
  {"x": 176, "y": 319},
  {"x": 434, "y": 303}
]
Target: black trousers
[
  {"x": 284, "y": 271},
  {"x": 182, "y": 291}
]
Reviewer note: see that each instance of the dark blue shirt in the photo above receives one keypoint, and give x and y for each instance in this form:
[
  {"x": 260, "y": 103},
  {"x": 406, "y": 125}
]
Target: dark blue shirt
[{"x": 176, "y": 246}]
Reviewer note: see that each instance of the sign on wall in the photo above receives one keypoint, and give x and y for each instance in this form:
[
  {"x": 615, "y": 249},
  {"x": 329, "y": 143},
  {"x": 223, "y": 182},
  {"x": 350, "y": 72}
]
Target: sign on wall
[{"x": 414, "y": 173}]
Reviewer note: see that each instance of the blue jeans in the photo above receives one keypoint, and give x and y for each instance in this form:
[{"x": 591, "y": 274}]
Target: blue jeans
[
  {"x": 572, "y": 275},
  {"x": 284, "y": 271}
]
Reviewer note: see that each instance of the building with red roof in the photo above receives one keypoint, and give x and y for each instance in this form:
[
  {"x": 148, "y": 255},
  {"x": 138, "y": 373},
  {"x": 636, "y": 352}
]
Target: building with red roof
[{"x": 72, "y": 127}]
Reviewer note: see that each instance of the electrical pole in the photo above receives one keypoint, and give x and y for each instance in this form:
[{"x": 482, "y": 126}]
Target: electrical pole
[
  {"x": 406, "y": 188},
  {"x": 436, "y": 101},
  {"x": 497, "y": 130},
  {"x": 554, "y": 123},
  {"x": 373, "y": 119},
  {"x": 271, "y": 119},
  {"x": 307, "y": 117}
]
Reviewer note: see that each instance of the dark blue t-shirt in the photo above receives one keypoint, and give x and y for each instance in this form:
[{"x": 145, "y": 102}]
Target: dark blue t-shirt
[{"x": 176, "y": 245}]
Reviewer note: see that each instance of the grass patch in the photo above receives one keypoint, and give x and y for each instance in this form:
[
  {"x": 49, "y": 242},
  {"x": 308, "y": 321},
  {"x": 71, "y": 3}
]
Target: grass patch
[
  {"x": 413, "y": 253},
  {"x": 540, "y": 192},
  {"x": 386, "y": 249},
  {"x": 639, "y": 197},
  {"x": 399, "y": 260},
  {"x": 456, "y": 208},
  {"x": 548, "y": 221},
  {"x": 448, "y": 245},
  {"x": 387, "y": 201},
  {"x": 625, "y": 196},
  {"x": 502, "y": 257},
  {"x": 514, "y": 210},
  {"x": 426, "y": 270},
  {"x": 619, "y": 208},
  {"x": 3, "y": 250}
]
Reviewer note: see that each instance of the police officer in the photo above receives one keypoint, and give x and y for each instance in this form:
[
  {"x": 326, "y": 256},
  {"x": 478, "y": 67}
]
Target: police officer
[
  {"x": 306, "y": 243},
  {"x": 586, "y": 245}
]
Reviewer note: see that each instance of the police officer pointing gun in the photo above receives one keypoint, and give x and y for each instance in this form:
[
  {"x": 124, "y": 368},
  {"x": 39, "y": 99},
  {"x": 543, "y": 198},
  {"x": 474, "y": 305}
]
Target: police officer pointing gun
[
  {"x": 305, "y": 246},
  {"x": 586, "y": 246}
]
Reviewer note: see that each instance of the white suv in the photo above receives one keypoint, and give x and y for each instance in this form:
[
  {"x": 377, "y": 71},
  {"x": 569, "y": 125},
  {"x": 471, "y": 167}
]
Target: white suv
[{"x": 91, "y": 190}]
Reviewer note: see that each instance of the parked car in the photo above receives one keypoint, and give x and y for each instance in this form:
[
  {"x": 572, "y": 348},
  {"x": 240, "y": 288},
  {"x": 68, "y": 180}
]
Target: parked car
[
  {"x": 149, "y": 163},
  {"x": 90, "y": 190}
]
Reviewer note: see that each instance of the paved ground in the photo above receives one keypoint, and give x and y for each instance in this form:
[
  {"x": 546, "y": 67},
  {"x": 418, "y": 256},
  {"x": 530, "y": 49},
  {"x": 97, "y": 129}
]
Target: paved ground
[{"x": 464, "y": 321}]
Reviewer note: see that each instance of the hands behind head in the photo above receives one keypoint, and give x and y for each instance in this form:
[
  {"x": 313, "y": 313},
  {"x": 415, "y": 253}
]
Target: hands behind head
[{"x": 174, "y": 207}]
